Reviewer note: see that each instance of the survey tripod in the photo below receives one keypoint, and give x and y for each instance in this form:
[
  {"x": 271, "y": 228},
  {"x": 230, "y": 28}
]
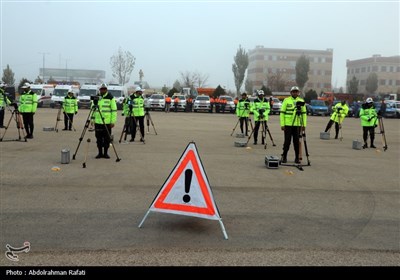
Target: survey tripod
[
  {"x": 59, "y": 117},
  {"x": 127, "y": 125},
  {"x": 16, "y": 116},
  {"x": 149, "y": 120},
  {"x": 94, "y": 109},
  {"x": 298, "y": 118},
  {"x": 382, "y": 133},
  {"x": 264, "y": 130},
  {"x": 246, "y": 108}
]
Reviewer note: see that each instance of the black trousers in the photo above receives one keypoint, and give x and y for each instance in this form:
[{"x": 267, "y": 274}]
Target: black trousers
[
  {"x": 136, "y": 120},
  {"x": 28, "y": 123},
  {"x": 257, "y": 127},
  {"x": 102, "y": 137},
  {"x": 329, "y": 125},
  {"x": 68, "y": 122},
  {"x": 371, "y": 131},
  {"x": 244, "y": 121},
  {"x": 291, "y": 132},
  {"x": 1, "y": 116}
]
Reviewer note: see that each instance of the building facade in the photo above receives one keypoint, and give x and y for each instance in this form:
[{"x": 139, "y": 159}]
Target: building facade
[
  {"x": 265, "y": 63},
  {"x": 386, "y": 68},
  {"x": 77, "y": 75}
]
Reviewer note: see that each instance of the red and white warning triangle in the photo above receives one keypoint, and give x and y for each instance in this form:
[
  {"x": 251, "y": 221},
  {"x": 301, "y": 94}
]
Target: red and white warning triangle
[{"x": 187, "y": 190}]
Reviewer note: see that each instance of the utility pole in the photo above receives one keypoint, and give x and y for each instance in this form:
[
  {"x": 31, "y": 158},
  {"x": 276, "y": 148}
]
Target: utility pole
[
  {"x": 66, "y": 69},
  {"x": 44, "y": 55}
]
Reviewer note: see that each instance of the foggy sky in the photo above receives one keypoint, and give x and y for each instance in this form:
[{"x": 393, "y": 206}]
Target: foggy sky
[{"x": 169, "y": 37}]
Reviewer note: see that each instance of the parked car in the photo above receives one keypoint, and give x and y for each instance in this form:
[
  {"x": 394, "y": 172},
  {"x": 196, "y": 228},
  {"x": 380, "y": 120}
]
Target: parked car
[
  {"x": 156, "y": 101},
  {"x": 317, "y": 107},
  {"x": 390, "y": 112},
  {"x": 202, "y": 103},
  {"x": 181, "y": 103},
  {"x": 230, "y": 105},
  {"x": 276, "y": 106}
]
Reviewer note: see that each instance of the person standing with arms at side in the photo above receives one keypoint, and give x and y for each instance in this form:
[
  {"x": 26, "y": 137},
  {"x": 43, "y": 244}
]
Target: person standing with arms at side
[
  {"x": 243, "y": 112},
  {"x": 4, "y": 101},
  {"x": 340, "y": 111},
  {"x": 260, "y": 111},
  {"x": 105, "y": 117},
  {"x": 27, "y": 107},
  {"x": 382, "y": 110},
  {"x": 293, "y": 119},
  {"x": 167, "y": 104},
  {"x": 368, "y": 117},
  {"x": 70, "y": 108},
  {"x": 138, "y": 114}
]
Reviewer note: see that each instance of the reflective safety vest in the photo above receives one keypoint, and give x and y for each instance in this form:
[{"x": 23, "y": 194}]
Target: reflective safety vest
[
  {"x": 260, "y": 106},
  {"x": 107, "y": 108},
  {"x": 339, "y": 112},
  {"x": 366, "y": 114},
  {"x": 289, "y": 116},
  {"x": 70, "y": 104},
  {"x": 28, "y": 102},
  {"x": 138, "y": 106},
  {"x": 243, "y": 108},
  {"x": 3, "y": 99}
]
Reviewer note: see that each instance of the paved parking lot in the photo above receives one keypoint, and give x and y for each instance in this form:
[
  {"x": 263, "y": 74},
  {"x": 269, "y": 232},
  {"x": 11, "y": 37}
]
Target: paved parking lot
[{"x": 341, "y": 210}]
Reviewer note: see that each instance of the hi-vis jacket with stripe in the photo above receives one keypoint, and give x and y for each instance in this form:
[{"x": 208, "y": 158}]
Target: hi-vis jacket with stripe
[{"x": 288, "y": 116}]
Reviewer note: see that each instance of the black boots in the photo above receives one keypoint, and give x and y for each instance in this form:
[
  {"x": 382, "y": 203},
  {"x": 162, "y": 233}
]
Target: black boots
[
  {"x": 100, "y": 154},
  {"x": 105, "y": 155}
]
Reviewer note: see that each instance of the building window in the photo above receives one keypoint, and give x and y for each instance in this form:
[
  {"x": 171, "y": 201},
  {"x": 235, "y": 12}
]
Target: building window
[
  {"x": 390, "y": 82},
  {"x": 398, "y": 69},
  {"x": 352, "y": 71},
  {"x": 383, "y": 68},
  {"x": 397, "y": 82},
  {"x": 357, "y": 70},
  {"x": 391, "y": 68},
  {"x": 362, "y": 69},
  {"x": 369, "y": 69},
  {"x": 375, "y": 68},
  {"x": 382, "y": 82}
]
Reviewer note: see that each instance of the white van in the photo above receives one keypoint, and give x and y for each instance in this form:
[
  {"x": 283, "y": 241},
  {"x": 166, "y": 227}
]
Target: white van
[
  {"x": 85, "y": 92},
  {"x": 119, "y": 92},
  {"x": 60, "y": 91},
  {"x": 44, "y": 93}
]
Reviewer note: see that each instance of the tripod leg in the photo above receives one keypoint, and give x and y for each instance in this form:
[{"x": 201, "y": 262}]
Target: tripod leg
[
  {"x": 8, "y": 125},
  {"x": 270, "y": 136},
  {"x": 306, "y": 148},
  {"x": 83, "y": 132},
  {"x": 382, "y": 129},
  {"x": 251, "y": 133},
  {"x": 58, "y": 119},
  {"x": 20, "y": 126},
  {"x": 233, "y": 130},
  {"x": 264, "y": 135},
  {"x": 86, "y": 153},
  {"x": 153, "y": 125}
]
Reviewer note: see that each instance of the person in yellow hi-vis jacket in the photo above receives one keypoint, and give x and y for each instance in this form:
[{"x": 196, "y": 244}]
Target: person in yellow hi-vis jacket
[
  {"x": 27, "y": 107},
  {"x": 340, "y": 111},
  {"x": 104, "y": 117},
  {"x": 293, "y": 120},
  {"x": 70, "y": 108}
]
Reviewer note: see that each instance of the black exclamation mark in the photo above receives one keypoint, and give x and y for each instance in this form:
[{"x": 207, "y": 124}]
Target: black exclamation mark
[{"x": 188, "y": 181}]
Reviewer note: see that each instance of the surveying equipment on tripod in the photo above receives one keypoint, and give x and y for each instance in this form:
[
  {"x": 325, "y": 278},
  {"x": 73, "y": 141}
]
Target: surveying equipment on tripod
[
  {"x": 67, "y": 119},
  {"x": 243, "y": 117},
  {"x": 128, "y": 122},
  {"x": 100, "y": 129},
  {"x": 298, "y": 126},
  {"x": 16, "y": 115}
]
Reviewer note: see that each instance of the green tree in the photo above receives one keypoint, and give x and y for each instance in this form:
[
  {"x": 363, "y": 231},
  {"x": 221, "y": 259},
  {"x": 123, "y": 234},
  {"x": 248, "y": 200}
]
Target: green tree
[
  {"x": 266, "y": 90},
  {"x": 248, "y": 86},
  {"x": 219, "y": 91},
  {"x": 302, "y": 69},
  {"x": 172, "y": 91},
  {"x": 8, "y": 76},
  {"x": 177, "y": 86},
  {"x": 164, "y": 89},
  {"x": 122, "y": 64},
  {"x": 310, "y": 95},
  {"x": 371, "y": 85},
  {"x": 239, "y": 68},
  {"x": 21, "y": 83},
  {"x": 353, "y": 85}
]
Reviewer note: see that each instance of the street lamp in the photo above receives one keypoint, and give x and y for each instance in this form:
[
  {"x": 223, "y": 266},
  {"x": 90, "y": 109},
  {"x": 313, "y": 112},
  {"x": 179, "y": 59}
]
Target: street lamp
[{"x": 44, "y": 55}]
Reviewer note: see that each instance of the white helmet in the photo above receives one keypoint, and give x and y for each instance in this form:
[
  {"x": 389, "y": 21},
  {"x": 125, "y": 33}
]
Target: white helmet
[
  {"x": 70, "y": 91},
  {"x": 369, "y": 100},
  {"x": 260, "y": 92},
  {"x": 2, "y": 85},
  {"x": 294, "y": 88},
  {"x": 103, "y": 86},
  {"x": 138, "y": 89},
  {"x": 26, "y": 85}
]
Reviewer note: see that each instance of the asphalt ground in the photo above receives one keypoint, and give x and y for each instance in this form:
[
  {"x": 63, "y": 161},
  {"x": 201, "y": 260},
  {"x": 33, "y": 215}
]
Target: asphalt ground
[{"x": 342, "y": 210}]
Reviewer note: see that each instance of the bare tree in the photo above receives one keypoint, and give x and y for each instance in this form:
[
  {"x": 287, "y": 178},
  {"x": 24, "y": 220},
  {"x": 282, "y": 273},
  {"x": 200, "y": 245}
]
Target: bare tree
[
  {"x": 277, "y": 81},
  {"x": 201, "y": 79},
  {"x": 122, "y": 64},
  {"x": 192, "y": 80}
]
